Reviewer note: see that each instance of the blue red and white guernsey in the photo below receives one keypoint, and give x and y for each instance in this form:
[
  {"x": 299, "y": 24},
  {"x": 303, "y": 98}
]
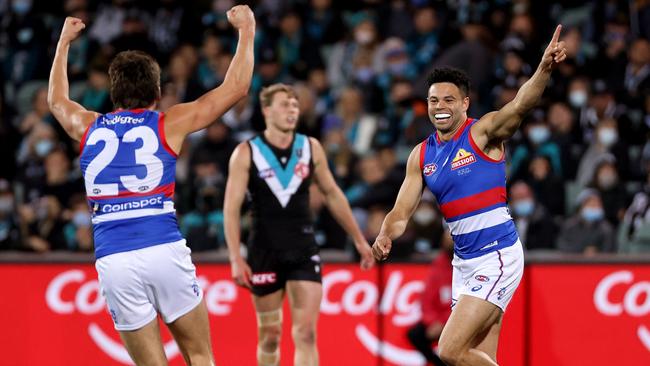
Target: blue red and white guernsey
[
  {"x": 471, "y": 190},
  {"x": 130, "y": 173}
]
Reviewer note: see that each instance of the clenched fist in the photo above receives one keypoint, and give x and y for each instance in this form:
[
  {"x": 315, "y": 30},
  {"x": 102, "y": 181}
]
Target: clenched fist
[
  {"x": 241, "y": 17},
  {"x": 71, "y": 29}
]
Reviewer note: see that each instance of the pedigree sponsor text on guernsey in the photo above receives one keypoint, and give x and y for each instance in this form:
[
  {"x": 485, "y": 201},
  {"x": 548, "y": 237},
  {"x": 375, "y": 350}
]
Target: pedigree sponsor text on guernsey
[{"x": 118, "y": 119}]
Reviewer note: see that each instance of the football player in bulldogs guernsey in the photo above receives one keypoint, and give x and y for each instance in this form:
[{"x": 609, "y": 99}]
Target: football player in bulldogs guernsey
[
  {"x": 463, "y": 164},
  {"x": 128, "y": 160},
  {"x": 277, "y": 168}
]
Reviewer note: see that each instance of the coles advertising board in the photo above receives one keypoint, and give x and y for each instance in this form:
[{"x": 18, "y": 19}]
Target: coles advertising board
[
  {"x": 54, "y": 315},
  {"x": 589, "y": 315}
]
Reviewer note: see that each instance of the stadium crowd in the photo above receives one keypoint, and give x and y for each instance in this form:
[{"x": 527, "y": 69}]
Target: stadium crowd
[{"x": 579, "y": 167}]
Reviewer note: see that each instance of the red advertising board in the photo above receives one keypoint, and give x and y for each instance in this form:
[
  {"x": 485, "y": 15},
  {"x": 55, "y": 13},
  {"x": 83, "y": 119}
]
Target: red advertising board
[
  {"x": 53, "y": 315},
  {"x": 561, "y": 315},
  {"x": 589, "y": 315}
]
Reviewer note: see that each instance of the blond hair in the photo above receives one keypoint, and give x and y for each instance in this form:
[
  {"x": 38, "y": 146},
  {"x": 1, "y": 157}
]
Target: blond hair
[{"x": 267, "y": 93}]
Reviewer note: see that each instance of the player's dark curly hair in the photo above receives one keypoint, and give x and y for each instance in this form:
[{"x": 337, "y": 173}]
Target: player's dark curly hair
[
  {"x": 135, "y": 80},
  {"x": 450, "y": 75}
]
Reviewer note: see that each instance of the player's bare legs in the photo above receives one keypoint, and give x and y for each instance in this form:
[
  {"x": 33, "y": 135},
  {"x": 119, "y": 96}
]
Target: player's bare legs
[
  {"x": 269, "y": 327},
  {"x": 144, "y": 345},
  {"x": 488, "y": 342},
  {"x": 304, "y": 299},
  {"x": 192, "y": 334},
  {"x": 471, "y": 333}
]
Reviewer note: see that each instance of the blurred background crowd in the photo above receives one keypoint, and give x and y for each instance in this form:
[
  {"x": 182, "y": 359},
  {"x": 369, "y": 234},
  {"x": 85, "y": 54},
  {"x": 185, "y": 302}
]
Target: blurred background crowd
[{"x": 578, "y": 168}]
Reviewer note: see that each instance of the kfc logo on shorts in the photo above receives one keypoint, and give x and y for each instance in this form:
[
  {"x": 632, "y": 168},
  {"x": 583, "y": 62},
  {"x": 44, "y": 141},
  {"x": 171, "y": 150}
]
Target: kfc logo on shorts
[
  {"x": 482, "y": 278},
  {"x": 301, "y": 170},
  {"x": 634, "y": 303},
  {"x": 429, "y": 169},
  {"x": 266, "y": 278}
]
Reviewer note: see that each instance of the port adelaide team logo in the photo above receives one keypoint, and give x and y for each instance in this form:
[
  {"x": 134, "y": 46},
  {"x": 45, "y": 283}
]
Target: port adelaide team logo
[{"x": 463, "y": 158}]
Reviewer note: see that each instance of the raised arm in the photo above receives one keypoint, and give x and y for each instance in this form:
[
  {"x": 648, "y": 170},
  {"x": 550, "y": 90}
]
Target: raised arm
[
  {"x": 337, "y": 203},
  {"x": 496, "y": 127},
  {"x": 183, "y": 119},
  {"x": 236, "y": 186},
  {"x": 73, "y": 117},
  {"x": 407, "y": 201}
]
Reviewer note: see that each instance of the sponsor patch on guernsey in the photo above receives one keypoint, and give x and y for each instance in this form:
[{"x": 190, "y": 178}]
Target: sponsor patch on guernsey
[
  {"x": 462, "y": 158},
  {"x": 131, "y": 204}
]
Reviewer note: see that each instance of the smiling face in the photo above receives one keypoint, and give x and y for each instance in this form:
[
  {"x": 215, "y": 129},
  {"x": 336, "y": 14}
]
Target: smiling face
[
  {"x": 447, "y": 106},
  {"x": 282, "y": 113}
]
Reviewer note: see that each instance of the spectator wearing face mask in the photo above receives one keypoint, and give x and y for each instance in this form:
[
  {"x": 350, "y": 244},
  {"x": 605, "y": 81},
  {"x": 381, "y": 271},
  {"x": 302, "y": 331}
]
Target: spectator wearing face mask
[
  {"x": 605, "y": 145},
  {"x": 397, "y": 64},
  {"x": 535, "y": 227},
  {"x": 426, "y": 225},
  {"x": 587, "y": 231},
  {"x": 538, "y": 142},
  {"x": 78, "y": 231},
  {"x": 31, "y": 155},
  {"x": 578, "y": 93},
  {"x": 613, "y": 194},
  {"x": 355, "y": 58},
  {"x": 594, "y": 102}
]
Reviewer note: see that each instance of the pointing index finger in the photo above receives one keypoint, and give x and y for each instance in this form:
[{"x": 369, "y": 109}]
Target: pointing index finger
[{"x": 556, "y": 34}]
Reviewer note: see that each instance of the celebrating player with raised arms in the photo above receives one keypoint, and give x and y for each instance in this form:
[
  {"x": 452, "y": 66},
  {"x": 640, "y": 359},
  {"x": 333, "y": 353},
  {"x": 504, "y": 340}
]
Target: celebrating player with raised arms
[
  {"x": 128, "y": 160},
  {"x": 463, "y": 164}
]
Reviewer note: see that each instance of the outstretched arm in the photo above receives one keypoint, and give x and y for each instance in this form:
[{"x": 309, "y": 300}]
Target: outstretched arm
[
  {"x": 183, "y": 119},
  {"x": 495, "y": 127},
  {"x": 337, "y": 203},
  {"x": 407, "y": 201},
  {"x": 73, "y": 117}
]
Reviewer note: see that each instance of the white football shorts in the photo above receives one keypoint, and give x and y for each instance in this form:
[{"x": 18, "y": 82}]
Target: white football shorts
[
  {"x": 139, "y": 284},
  {"x": 493, "y": 277}
]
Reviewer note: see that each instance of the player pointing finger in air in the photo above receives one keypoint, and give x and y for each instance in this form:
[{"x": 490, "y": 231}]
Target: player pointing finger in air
[{"x": 463, "y": 164}]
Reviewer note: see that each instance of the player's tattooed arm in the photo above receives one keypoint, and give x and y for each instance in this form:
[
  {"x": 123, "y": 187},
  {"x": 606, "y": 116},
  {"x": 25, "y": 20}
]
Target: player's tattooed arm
[
  {"x": 496, "y": 127},
  {"x": 73, "y": 117}
]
